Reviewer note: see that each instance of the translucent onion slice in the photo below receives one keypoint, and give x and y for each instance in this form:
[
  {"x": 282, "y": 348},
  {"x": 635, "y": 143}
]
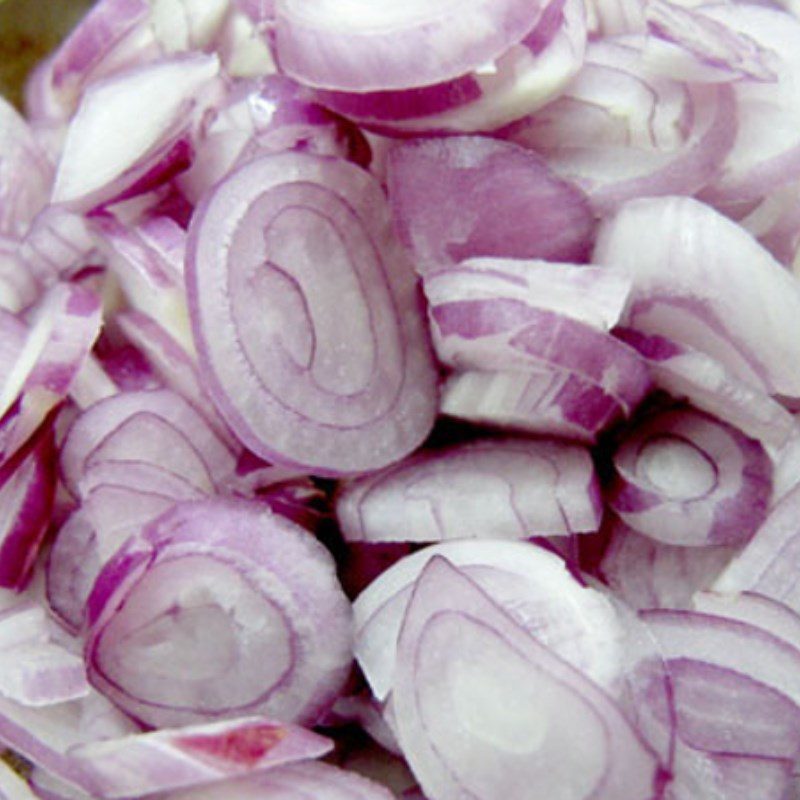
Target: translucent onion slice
[
  {"x": 530, "y": 583},
  {"x": 140, "y": 764},
  {"x": 470, "y": 679},
  {"x": 363, "y": 47},
  {"x": 316, "y": 354},
  {"x": 464, "y": 197},
  {"x": 219, "y": 609},
  {"x": 685, "y": 478},
  {"x": 488, "y": 489},
  {"x": 701, "y": 281}
]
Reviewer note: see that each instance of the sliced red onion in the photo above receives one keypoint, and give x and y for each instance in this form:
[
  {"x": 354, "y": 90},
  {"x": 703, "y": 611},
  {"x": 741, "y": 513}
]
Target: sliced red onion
[
  {"x": 649, "y": 574},
  {"x": 531, "y": 584},
  {"x": 142, "y": 764},
  {"x": 524, "y": 78},
  {"x": 686, "y": 478},
  {"x": 592, "y": 295},
  {"x": 262, "y": 117},
  {"x": 18, "y": 288},
  {"x": 701, "y": 281},
  {"x": 686, "y": 44},
  {"x": 12, "y": 786},
  {"x": 363, "y": 396},
  {"x": 775, "y": 222},
  {"x": 508, "y": 335},
  {"x": 218, "y": 609},
  {"x": 488, "y": 489},
  {"x": 27, "y": 488},
  {"x": 155, "y": 104},
  {"x": 766, "y": 152},
  {"x": 786, "y": 474},
  {"x": 691, "y": 375},
  {"x": 470, "y": 679},
  {"x": 465, "y": 197},
  {"x": 243, "y": 43},
  {"x": 310, "y": 779},
  {"x": 768, "y": 565},
  {"x": 365, "y": 48},
  {"x": 621, "y": 132},
  {"x": 607, "y": 18},
  {"x": 25, "y": 173},
  {"x": 551, "y": 402},
  {"x": 92, "y": 428}
]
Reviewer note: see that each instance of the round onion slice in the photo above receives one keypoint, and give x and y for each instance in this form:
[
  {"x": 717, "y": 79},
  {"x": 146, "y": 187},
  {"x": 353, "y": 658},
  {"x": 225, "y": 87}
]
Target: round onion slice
[
  {"x": 649, "y": 574},
  {"x": 91, "y": 428},
  {"x": 523, "y": 79},
  {"x": 363, "y": 47},
  {"x": 701, "y": 281},
  {"x": 489, "y": 489},
  {"x": 531, "y": 584},
  {"x": 219, "y": 608},
  {"x": 304, "y": 781},
  {"x": 592, "y": 295},
  {"x": 467, "y": 196},
  {"x": 314, "y": 355},
  {"x": 470, "y": 680},
  {"x": 142, "y": 764},
  {"x": 685, "y": 478},
  {"x": 553, "y": 402},
  {"x": 621, "y": 132},
  {"x": 688, "y": 374}
]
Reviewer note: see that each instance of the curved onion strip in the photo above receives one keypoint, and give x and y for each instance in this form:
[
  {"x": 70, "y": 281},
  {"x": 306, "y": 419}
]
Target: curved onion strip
[
  {"x": 685, "y": 478},
  {"x": 155, "y": 104},
  {"x": 552, "y": 402},
  {"x": 693, "y": 283},
  {"x": 93, "y": 426},
  {"x": 467, "y": 196},
  {"x": 163, "y": 760},
  {"x": 303, "y": 781},
  {"x": 12, "y": 786},
  {"x": 766, "y": 152},
  {"x": 691, "y": 375},
  {"x": 300, "y": 377},
  {"x": 508, "y": 335},
  {"x": 620, "y": 132},
  {"x": 469, "y": 679},
  {"x": 252, "y": 618},
  {"x": 364, "y": 47},
  {"x": 523, "y": 79},
  {"x": 650, "y": 574},
  {"x": 531, "y": 584},
  {"x": 489, "y": 489},
  {"x": 592, "y": 295}
]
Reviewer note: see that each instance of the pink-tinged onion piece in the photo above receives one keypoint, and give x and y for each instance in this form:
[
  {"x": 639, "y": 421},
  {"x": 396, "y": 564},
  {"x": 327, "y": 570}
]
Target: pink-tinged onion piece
[
  {"x": 685, "y": 478},
  {"x": 154, "y": 105},
  {"x": 465, "y": 197},
  {"x": 92, "y": 428},
  {"x": 766, "y": 153},
  {"x": 316, "y": 355},
  {"x": 142, "y": 764},
  {"x": 27, "y": 489},
  {"x": 701, "y": 281},
  {"x": 551, "y": 402},
  {"x": 592, "y": 295},
  {"x": 218, "y": 609},
  {"x": 363, "y": 47},
  {"x": 531, "y": 584},
  {"x": 649, "y": 574},
  {"x": 524, "y": 78},
  {"x": 621, "y": 132},
  {"x": 303, "y": 781},
  {"x": 470, "y": 680},
  {"x": 688, "y": 374},
  {"x": 488, "y": 489},
  {"x": 12, "y": 786},
  {"x": 25, "y": 173}
]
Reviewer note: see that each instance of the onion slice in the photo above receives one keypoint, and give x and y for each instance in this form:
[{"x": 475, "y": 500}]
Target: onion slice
[
  {"x": 488, "y": 489},
  {"x": 470, "y": 679},
  {"x": 294, "y": 383}
]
